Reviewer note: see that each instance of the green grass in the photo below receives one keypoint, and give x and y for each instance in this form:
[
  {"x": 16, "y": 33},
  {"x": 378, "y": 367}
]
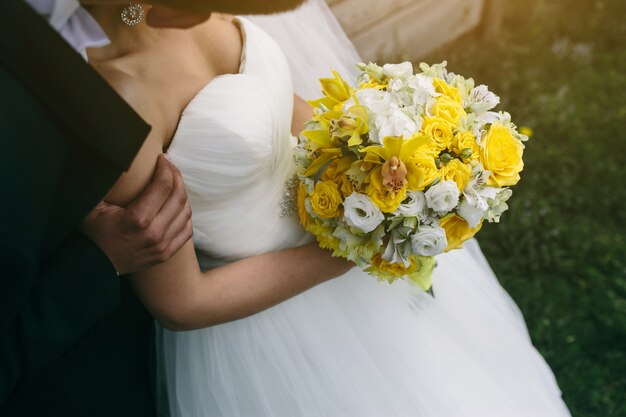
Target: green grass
[{"x": 560, "y": 68}]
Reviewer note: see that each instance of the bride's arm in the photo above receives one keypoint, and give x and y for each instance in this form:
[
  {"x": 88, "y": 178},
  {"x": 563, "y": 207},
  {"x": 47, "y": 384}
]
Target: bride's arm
[
  {"x": 301, "y": 113},
  {"x": 176, "y": 292},
  {"x": 182, "y": 298}
]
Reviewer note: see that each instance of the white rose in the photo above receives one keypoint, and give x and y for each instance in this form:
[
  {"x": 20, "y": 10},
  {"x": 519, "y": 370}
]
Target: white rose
[
  {"x": 443, "y": 197},
  {"x": 398, "y": 70},
  {"x": 413, "y": 205},
  {"x": 473, "y": 210},
  {"x": 429, "y": 241},
  {"x": 362, "y": 213}
]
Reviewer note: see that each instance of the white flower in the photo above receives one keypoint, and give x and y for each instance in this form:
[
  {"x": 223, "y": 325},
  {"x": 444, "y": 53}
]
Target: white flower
[
  {"x": 362, "y": 213},
  {"x": 371, "y": 71},
  {"x": 443, "y": 196},
  {"x": 475, "y": 204},
  {"x": 395, "y": 123},
  {"x": 464, "y": 85},
  {"x": 398, "y": 70},
  {"x": 435, "y": 71},
  {"x": 429, "y": 241},
  {"x": 399, "y": 247},
  {"x": 473, "y": 210},
  {"x": 497, "y": 205},
  {"x": 423, "y": 89},
  {"x": 481, "y": 100},
  {"x": 413, "y": 205},
  {"x": 387, "y": 118}
]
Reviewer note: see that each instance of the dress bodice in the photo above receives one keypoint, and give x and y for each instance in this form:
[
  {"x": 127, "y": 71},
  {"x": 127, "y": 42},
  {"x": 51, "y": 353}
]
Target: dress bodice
[{"x": 233, "y": 147}]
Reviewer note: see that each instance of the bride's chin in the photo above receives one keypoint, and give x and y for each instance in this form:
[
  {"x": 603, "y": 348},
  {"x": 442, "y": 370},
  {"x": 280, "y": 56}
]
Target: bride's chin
[{"x": 166, "y": 17}]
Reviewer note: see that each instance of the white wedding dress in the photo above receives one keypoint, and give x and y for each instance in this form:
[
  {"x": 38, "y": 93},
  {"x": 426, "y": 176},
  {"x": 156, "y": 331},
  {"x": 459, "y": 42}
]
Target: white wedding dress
[{"x": 349, "y": 347}]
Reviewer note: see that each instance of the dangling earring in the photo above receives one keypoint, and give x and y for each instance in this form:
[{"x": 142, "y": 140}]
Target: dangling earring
[{"x": 132, "y": 14}]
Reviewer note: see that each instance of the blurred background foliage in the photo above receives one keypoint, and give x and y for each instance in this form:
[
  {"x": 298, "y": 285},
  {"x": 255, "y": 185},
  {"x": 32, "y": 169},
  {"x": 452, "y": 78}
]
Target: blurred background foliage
[{"x": 560, "y": 69}]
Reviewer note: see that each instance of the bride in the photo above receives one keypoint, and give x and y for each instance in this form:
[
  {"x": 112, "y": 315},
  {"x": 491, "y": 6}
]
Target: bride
[{"x": 220, "y": 99}]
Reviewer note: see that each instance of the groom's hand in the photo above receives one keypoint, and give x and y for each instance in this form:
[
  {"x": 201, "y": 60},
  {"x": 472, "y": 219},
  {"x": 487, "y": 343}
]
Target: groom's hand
[{"x": 150, "y": 229}]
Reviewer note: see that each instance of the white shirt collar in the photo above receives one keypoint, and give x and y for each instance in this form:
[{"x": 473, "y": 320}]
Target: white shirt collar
[{"x": 73, "y": 23}]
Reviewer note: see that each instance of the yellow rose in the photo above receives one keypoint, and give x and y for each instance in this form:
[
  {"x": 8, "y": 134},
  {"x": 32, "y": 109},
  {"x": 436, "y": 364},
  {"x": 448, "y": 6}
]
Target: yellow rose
[
  {"x": 336, "y": 169},
  {"x": 426, "y": 164},
  {"x": 326, "y": 200},
  {"x": 330, "y": 173},
  {"x": 456, "y": 171},
  {"x": 447, "y": 90},
  {"x": 465, "y": 146},
  {"x": 440, "y": 130},
  {"x": 449, "y": 110},
  {"x": 386, "y": 271},
  {"x": 502, "y": 154},
  {"x": 386, "y": 200},
  {"x": 305, "y": 217},
  {"x": 457, "y": 230}
]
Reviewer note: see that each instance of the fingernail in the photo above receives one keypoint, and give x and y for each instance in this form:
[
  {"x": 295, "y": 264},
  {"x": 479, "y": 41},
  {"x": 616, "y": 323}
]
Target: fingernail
[{"x": 166, "y": 156}]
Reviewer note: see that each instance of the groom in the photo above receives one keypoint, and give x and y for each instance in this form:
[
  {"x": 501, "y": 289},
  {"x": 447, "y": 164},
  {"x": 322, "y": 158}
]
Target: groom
[{"x": 74, "y": 340}]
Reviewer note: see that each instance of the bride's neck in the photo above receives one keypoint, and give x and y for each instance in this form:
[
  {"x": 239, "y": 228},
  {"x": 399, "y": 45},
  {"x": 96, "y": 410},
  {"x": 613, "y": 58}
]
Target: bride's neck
[{"x": 125, "y": 40}]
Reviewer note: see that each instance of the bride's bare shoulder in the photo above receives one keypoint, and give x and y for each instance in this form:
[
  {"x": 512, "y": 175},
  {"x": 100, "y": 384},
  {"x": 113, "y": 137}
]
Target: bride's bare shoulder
[
  {"x": 132, "y": 90},
  {"x": 225, "y": 40},
  {"x": 139, "y": 97}
]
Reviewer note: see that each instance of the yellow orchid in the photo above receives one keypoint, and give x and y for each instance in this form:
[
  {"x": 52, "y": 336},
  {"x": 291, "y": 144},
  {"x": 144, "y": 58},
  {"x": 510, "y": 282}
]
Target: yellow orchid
[
  {"x": 394, "y": 156},
  {"x": 352, "y": 125},
  {"x": 336, "y": 129},
  {"x": 393, "y": 173},
  {"x": 336, "y": 91}
]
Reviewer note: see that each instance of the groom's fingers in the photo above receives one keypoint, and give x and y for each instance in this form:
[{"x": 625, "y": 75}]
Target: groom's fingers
[
  {"x": 176, "y": 240},
  {"x": 145, "y": 208},
  {"x": 174, "y": 220}
]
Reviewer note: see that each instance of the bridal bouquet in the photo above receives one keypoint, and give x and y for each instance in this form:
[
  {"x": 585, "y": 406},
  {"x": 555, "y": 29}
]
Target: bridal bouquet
[{"x": 404, "y": 166}]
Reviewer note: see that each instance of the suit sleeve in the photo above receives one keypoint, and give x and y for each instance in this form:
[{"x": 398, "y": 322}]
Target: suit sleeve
[
  {"x": 48, "y": 300},
  {"x": 76, "y": 278},
  {"x": 31, "y": 164}
]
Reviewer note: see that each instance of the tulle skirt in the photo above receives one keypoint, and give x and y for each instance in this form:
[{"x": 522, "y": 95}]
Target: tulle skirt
[{"x": 357, "y": 347}]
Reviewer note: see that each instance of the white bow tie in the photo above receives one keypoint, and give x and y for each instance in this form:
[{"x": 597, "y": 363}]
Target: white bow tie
[{"x": 72, "y": 22}]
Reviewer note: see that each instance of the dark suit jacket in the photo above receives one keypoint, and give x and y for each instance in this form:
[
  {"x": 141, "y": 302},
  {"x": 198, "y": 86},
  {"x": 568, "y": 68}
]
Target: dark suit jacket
[{"x": 74, "y": 340}]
